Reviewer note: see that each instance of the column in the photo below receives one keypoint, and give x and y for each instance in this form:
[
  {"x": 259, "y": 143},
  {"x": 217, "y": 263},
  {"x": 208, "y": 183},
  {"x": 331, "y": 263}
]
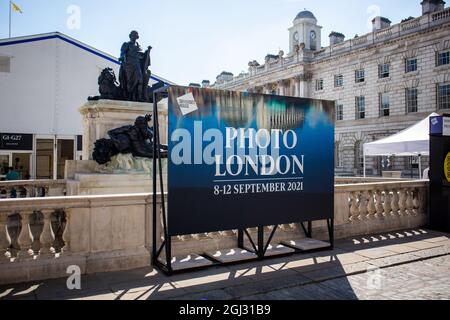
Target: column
[{"x": 281, "y": 90}]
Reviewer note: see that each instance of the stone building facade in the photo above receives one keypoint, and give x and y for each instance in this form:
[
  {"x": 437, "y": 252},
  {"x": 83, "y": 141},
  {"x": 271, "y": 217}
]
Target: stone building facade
[{"x": 382, "y": 82}]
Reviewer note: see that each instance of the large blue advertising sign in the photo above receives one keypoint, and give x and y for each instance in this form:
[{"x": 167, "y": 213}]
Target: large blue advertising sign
[{"x": 242, "y": 160}]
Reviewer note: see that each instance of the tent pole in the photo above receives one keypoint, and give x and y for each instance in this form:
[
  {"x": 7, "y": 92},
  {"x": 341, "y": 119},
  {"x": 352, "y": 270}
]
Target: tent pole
[
  {"x": 420, "y": 167},
  {"x": 364, "y": 155}
]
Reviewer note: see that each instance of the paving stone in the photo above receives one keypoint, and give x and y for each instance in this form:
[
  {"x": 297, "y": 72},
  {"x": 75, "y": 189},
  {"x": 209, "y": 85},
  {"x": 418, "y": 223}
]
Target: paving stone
[
  {"x": 392, "y": 260},
  {"x": 421, "y": 245},
  {"x": 344, "y": 258},
  {"x": 187, "y": 262},
  {"x": 307, "y": 244},
  {"x": 267, "y": 285},
  {"x": 375, "y": 253},
  {"x": 205, "y": 296}
]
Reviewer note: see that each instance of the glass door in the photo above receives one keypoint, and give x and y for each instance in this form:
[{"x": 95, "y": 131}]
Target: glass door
[
  {"x": 5, "y": 163},
  {"x": 44, "y": 159},
  {"x": 66, "y": 151}
]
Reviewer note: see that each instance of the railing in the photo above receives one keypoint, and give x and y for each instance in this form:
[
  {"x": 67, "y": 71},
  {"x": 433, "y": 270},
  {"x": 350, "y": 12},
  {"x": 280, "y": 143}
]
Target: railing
[
  {"x": 411, "y": 24},
  {"x": 371, "y": 201},
  {"x": 359, "y": 180},
  {"x": 41, "y": 237},
  {"x": 32, "y": 188},
  {"x": 441, "y": 15},
  {"x": 360, "y": 40},
  {"x": 385, "y": 33}
]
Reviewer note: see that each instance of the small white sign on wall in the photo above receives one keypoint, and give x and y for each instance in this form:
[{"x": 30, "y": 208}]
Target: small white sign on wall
[
  {"x": 187, "y": 104},
  {"x": 446, "y": 126}
]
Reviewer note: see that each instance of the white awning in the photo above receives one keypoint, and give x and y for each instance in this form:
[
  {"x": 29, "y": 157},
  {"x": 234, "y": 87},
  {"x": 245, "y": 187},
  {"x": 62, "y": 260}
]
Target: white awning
[{"x": 413, "y": 141}]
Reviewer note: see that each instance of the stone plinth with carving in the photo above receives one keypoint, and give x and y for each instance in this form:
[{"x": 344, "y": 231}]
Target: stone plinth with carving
[{"x": 101, "y": 116}]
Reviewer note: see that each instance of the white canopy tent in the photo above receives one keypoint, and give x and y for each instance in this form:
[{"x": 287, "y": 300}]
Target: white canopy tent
[{"x": 413, "y": 141}]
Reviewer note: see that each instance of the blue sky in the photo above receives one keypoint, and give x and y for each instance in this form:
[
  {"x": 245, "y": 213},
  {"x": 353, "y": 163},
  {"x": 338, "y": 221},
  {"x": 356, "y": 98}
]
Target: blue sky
[{"x": 197, "y": 39}]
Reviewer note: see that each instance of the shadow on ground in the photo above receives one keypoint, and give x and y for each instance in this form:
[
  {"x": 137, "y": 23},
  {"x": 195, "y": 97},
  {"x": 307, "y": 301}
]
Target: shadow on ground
[{"x": 319, "y": 275}]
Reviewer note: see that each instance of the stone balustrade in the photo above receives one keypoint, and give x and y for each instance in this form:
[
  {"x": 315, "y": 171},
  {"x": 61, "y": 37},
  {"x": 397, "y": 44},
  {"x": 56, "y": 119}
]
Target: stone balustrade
[
  {"x": 41, "y": 237},
  {"x": 357, "y": 180},
  {"x": 32, "y": 188},
  {"x": 362, "y": 206}
]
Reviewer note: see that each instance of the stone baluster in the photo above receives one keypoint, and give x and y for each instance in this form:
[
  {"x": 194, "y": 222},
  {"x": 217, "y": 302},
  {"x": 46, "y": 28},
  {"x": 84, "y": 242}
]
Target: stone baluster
[
  {"x": 379, "y": 204},
  {"x": 394, "y": 203},
  {"x": 363, "y": 206},
  {"x": 8, "y": 193},
  {"x": 66, "y": 234},
  {"x": 47, "y": 237},
  {"x": 422, "y": 198},
  {"x": 410, "y": 202},
  {"x": 46, "y": 190},
  {"x": 354, "y": 211},
  {"x": 416, "y": 202},
  {"x": 5, "y": 239},
  {"x": 25, "y": 238},
  {"x": 227, "y": 233},
  {"x": 402, "y": 202},
  {"x": 387, "y": 203},
  {"x": 285, "y": 227},
  {"x": 371, "y": 208}
]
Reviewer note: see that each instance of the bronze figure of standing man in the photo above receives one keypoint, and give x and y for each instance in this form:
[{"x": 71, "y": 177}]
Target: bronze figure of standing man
[{"x": 134, "y": 74}]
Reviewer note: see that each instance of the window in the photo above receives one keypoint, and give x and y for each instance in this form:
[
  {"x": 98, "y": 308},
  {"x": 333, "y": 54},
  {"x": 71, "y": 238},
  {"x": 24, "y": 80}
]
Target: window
[
  {"x": 411, "y": 100},
  {"x": 319, "y": 84},
  {"x": 384, "y": 105},
  {"x": 443, "y": 96},
  {"x": 442, "y": 58},
  {"x": 411, "y": 65},
  {"x": 338, "y": 81},
  {"x": 339, "y": 112},
  {"x": 5, "y": 64},
  {"x": 360, "y": 103},
  {"x": 360, "y": 76},
  {"x": 383, "y": 70}
]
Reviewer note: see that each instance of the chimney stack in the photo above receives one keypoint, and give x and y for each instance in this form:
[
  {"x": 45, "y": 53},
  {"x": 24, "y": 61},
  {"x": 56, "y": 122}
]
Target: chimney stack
[
  {"x": 380, "y": 23},
  {"x": 430, "y": 6},
  {"x": 336, "y": 38}
]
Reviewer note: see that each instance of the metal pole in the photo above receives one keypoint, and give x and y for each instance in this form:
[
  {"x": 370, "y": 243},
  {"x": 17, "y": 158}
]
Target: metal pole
[
  {"x": 420, "y": 166},
  {"x": 364, "y": 155},
  {"x": 10, "y": 9}
]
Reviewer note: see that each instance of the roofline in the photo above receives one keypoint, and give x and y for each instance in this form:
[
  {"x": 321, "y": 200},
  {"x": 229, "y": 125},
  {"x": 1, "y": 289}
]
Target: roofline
[{"x": 72, "y": 41}]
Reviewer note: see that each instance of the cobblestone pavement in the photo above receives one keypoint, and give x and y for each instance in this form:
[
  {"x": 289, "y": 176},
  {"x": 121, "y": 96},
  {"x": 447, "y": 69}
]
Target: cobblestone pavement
[{"x": 411, "y": 264}]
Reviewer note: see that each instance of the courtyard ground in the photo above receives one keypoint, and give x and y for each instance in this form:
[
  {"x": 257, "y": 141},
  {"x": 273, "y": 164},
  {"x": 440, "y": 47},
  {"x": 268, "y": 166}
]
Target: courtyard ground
[{"x": 413, "y": 264}]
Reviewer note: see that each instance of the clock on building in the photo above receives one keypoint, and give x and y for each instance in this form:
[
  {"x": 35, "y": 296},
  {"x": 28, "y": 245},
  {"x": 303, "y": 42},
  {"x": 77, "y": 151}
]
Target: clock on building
[
  {"x": 313, "y": 35},
  {"x": 296, "y": 36}
]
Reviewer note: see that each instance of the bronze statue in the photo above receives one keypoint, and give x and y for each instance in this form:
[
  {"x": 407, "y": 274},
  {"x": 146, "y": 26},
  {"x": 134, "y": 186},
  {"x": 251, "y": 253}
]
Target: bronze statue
[
  {"x": 136, "y": 139},
  {"x": 134, "y": 74}
]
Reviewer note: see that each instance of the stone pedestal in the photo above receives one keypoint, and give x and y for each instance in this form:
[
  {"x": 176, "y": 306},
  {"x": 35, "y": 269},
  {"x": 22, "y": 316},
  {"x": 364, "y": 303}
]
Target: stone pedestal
[
  {"x": 124, "y": 175},
  {"x": 101, "y": 116}
]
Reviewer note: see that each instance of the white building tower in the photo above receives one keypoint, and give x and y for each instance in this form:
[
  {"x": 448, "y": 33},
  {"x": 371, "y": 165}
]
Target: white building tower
[{"x": 305, "y": 30}]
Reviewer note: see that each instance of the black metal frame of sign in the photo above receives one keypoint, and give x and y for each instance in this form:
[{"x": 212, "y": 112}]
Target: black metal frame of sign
[{"x": 259, "y": 248}]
